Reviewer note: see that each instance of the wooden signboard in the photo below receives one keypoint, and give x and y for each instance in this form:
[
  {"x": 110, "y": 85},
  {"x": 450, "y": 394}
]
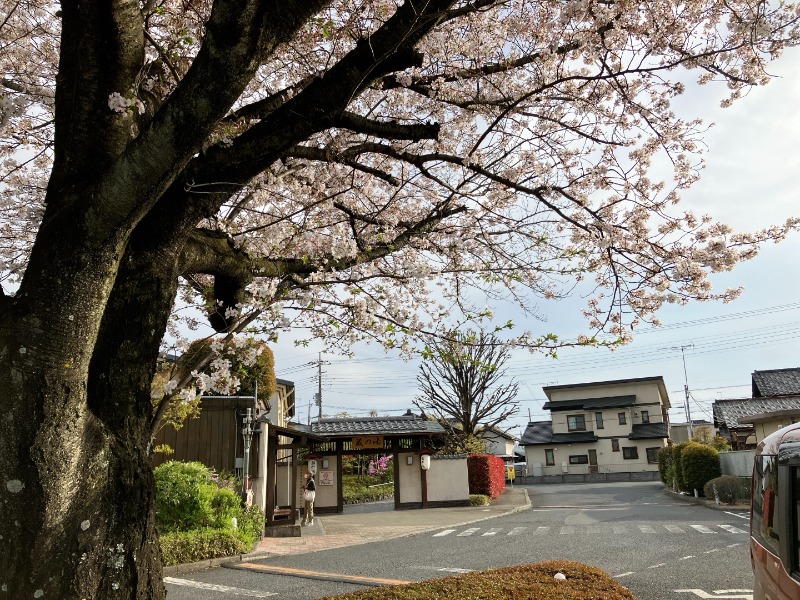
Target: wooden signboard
[{"x": 366, "y": 442}]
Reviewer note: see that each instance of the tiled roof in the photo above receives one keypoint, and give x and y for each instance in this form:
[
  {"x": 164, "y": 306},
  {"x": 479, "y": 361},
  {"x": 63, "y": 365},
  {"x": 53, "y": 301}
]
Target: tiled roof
[
  {"x": 646, "y": 431},
  {"x": 777, "y": 382},
  {"x": 728, "y": 412},
  {"x": 403, "y": 425},
  {"x": 541, "y": 432},
  {"x": 591, "y": 403}
]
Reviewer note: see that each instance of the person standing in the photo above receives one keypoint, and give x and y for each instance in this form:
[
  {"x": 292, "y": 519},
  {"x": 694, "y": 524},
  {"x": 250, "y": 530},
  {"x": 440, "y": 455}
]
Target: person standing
[{"x": 309, "y": 494}]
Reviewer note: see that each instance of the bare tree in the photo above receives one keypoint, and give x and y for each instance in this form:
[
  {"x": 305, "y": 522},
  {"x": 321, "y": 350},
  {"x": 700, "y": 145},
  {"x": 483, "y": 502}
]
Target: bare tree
[{"x": 461, "y": 384}]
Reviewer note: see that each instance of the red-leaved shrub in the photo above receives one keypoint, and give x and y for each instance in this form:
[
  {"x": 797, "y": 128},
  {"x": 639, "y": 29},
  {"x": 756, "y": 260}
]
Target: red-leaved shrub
[{"x": 487, "y": 474}]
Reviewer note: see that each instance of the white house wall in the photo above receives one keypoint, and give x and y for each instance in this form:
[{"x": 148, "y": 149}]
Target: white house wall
[
  {"x": 608, "y": 461},
  {"x": 448, "y": 479}
]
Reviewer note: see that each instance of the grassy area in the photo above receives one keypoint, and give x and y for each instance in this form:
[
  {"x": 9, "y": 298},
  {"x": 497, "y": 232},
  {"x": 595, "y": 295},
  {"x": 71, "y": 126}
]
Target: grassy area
[{"x": 583, "y": 582}]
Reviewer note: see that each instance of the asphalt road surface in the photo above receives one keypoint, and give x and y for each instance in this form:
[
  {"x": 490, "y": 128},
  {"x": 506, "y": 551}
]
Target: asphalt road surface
[{"x": 659, "y": 547}]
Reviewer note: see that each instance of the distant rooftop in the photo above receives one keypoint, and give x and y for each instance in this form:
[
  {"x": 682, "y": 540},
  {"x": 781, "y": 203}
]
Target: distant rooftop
[
  {"x": 403, "y": 425},
  {"x": 776, "y": 382},
  {"x": 728, "y": 412}
]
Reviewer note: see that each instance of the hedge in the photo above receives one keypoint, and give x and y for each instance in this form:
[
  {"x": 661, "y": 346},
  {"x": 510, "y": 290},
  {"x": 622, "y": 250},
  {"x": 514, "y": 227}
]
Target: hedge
[
  {"x": 665, "y": 468},
  {"x": 699, "y": 464},
  {"x": 487, "y": 475},
  {"x": 191, "y": 546},
  {"x": 583, "y": 582},
  {"x": 731, "y": 489}
]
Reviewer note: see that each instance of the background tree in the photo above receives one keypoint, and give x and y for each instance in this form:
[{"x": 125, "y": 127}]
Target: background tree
[
  {"x": 365, "y": 169},
  {"x": 460, "y": 385},
  {"x": 704, "y": 434}
]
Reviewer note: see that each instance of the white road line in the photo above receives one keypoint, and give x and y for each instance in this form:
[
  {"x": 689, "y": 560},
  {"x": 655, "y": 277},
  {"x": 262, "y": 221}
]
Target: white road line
[
  {"x": 519, "y": 530},
  {"x": 686, "y": 557},
  {"x": 712, "y": 550},
  {"x": 493, "y": 531},
  {"x": 740, "y": 515},
  {"x": 702, "y": 528},
  {"x": 218, "y": 588},
  {"x": 674, "y": 529},
  {"x": 732, "y": 529},
  {"x": 567, "y": 530},
  {"x": 656, "y": 566},
  {"x": 624, "y": 574},
  {"x": 619, "y": 529},
  {"x": 444, "y": 533},
  {"x": 732, "y": 545},
  {"x": 539, "y": 530},
  {"x": 469, "y": 531},
  {"x": 646, "y": 529}
]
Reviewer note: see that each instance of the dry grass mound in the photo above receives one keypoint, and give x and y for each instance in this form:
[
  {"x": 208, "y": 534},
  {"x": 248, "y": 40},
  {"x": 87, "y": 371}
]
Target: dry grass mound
[{"x": 522, "y": 582}]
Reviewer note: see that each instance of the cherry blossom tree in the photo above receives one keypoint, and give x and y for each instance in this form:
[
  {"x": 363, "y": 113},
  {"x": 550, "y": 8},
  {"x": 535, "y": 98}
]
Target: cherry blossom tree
[{"x": 356, "y": 167}]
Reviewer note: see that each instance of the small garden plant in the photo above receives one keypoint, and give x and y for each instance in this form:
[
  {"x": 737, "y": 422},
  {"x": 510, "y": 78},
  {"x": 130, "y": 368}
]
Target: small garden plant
[{"x": 200, "y": 515}]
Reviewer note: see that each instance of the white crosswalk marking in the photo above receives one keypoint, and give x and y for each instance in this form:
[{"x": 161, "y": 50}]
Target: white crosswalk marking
[
  {"x": 603, "y": 529},
  {"x": 674, "y": 529},
  {"x": 539, "y": 530},
  {"x": 444, "y": 533},
  {"x": 701, "y": 528},
  {"x": 732, "y": 529}
]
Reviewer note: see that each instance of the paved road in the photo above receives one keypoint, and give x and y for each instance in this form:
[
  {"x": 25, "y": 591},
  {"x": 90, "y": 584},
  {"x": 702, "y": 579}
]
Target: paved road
[{"x": 651, "y": 543}]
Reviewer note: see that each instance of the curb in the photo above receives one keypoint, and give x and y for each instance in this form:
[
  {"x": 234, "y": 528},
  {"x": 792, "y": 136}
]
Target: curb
[{"x": 705, "y": 502}]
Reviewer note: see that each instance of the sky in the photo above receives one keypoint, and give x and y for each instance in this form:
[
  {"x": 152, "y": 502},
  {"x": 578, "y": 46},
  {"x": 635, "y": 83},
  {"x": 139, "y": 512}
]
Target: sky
[{"x": 750, "y": 181}]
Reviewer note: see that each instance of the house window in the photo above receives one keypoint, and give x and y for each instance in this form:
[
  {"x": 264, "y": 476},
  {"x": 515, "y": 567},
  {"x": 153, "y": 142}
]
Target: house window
[
  {"x": 645, "y": 416},
  {"x": 579, "y": 459},
  {"x": 614, "y": 445},
  {"x": 622, "y": 420},
  {"x": 576, "y": 423},
  {"x": 631, "y": 452},
  {"x": 598, "y": 420},
  {"x": 549, "y": 457},
  {"x": 652, "y": 455}
]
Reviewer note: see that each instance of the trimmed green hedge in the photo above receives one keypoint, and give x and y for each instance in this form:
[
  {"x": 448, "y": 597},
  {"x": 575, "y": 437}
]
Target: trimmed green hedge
[
  {"x": 699, "y": 464},
  {"x": 180, "y": 547},
  {"x": 583, "y": 582},
  {"x": 731, "y": 489},
  {"x": 478, "y": 499}
]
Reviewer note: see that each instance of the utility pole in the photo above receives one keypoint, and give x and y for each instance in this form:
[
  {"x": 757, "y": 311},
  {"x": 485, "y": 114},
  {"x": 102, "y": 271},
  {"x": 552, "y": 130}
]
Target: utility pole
[
  {"x": 686, "y": 386},
  {"x": 319, "y": 376}
]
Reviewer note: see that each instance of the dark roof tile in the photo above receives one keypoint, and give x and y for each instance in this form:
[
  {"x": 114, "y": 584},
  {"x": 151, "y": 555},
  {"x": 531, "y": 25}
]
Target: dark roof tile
[
  {"x": 541, "y": 432},
  {"x": 403, "y": 425},
  {"x": 646, "y": 431},
  {"x": 728, "y": 412},
  {"x": 777, "y": 382},
  {"x": 591, "y": 403}
]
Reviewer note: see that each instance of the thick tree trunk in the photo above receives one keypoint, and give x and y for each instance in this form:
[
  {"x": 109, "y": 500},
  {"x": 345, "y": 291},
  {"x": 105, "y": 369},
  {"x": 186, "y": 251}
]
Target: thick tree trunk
[{"x": 76, "y": 487}]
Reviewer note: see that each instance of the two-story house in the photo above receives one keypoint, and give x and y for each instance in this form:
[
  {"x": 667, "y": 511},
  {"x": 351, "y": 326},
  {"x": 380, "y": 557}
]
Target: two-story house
[{"x": 603, "y": 427}]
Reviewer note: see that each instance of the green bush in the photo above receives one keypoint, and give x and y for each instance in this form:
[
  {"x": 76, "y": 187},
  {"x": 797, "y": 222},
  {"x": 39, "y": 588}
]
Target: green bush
[
  {"x": 700, "y": 464},
  {"x": 180, "y": 547},
  {"x": 194, "y": 513},
  {"x": 677, "y": 465},
  {"x": 184, "y": 492},
  {"x": 731, "y": 489},
  {"x": 665, "y": 468},
  {"x": 478, "y": 499},
  {"x": 583, "y": 582}
]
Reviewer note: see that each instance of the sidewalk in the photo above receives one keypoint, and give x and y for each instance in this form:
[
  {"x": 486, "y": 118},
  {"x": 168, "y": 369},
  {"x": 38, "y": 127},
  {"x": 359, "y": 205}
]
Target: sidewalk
[
  {"x": 364, "y": 523},
  {"x": 361, "y": 524}
]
